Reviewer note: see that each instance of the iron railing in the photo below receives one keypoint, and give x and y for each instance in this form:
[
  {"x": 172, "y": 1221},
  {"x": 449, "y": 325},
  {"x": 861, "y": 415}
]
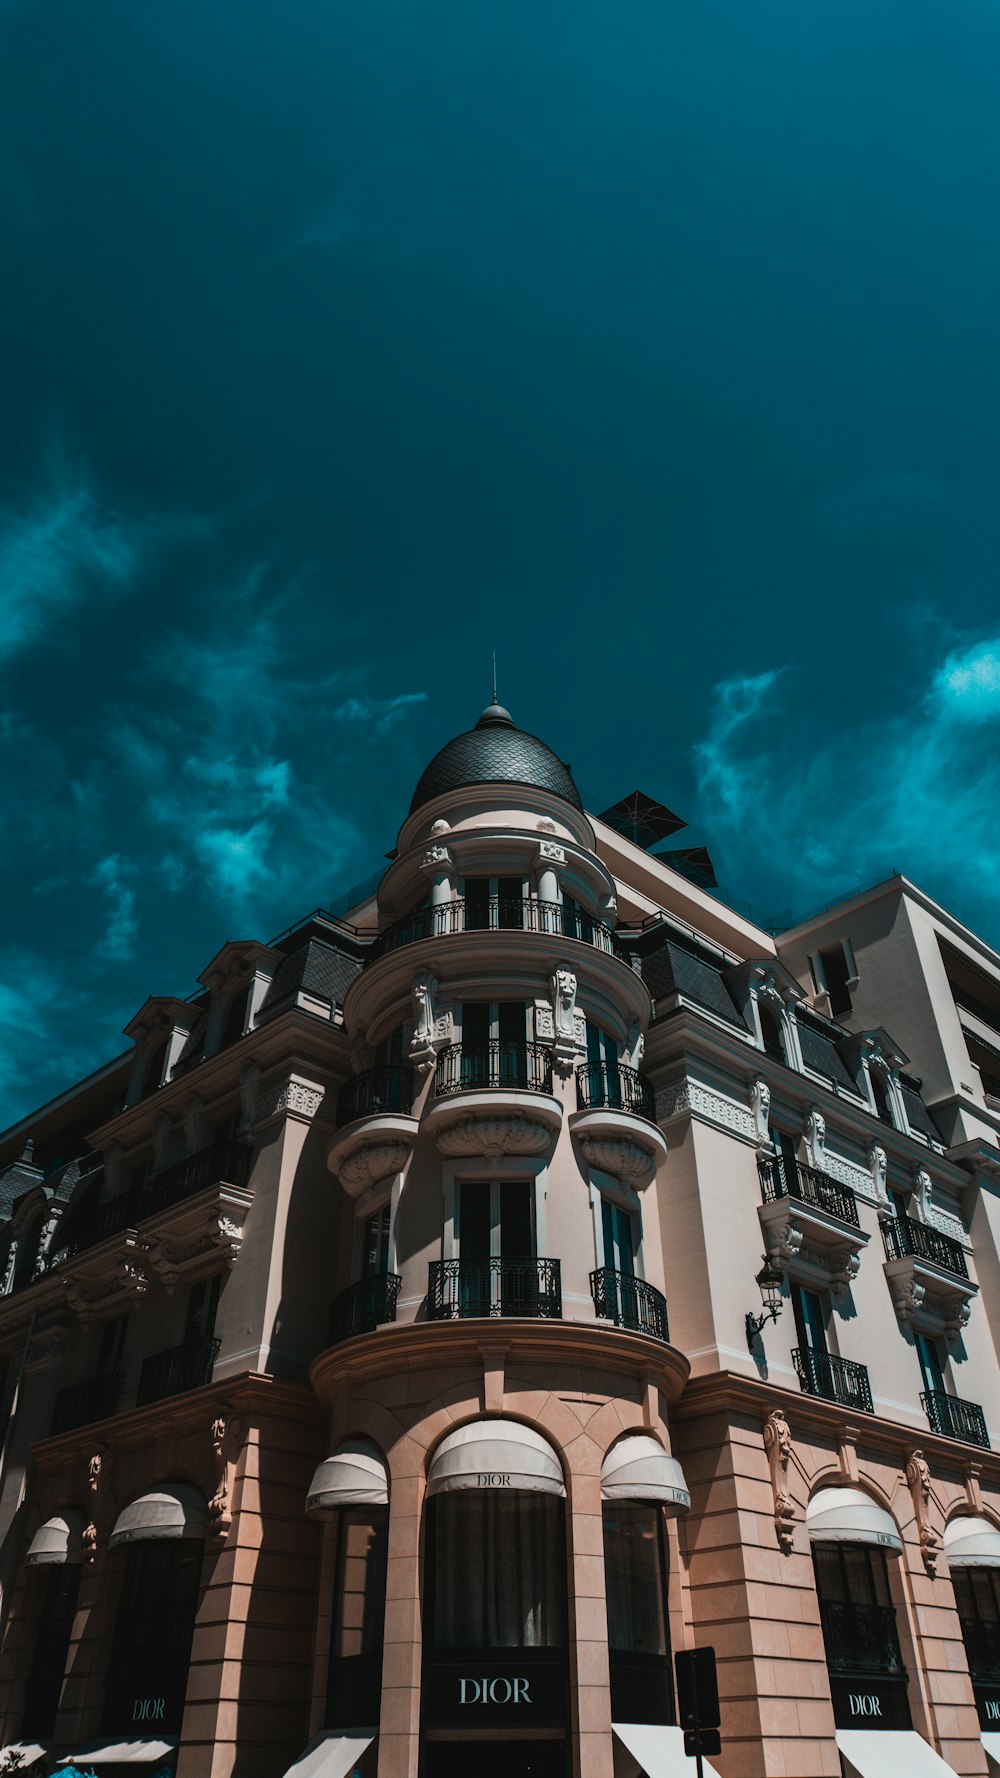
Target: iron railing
[
  {"x": 611, "y": 1085},
  {"x": 860, "y": 1638},
  {"x": 982, "y": 1649},
  {"x": 902, "y": 1237},
  {"x": 991, "y": 1084},
  {"x": 178, "y": 1368},
  {"x": 388, "y": 1088},
  {"x": 990, "y": 1015},
  {"x": 83, "y": 1403},
  {"x": 955, "y": 1418},
  {"x": 494, "y": 913},
  {"x": 629, "y": 1302},
  {"x": 468, "y": 1067},
  {"x": 835, "y": 1379},
  {"x": 789, "y": 1179},
  {"x": 460, "y": 1289},
  {"x": 227, "y": 1162},
  {"x": 363, "y": 1307}
]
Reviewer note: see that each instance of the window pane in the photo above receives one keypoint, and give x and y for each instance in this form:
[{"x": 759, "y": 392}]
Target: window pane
[
  {"x": 474, "y": 1219},
  {"x": 477, "y": 903},
  {"x": 515, "y": 1219},
  {"x": 499, "y": 1571},
  {"x": 634, "y": 1580}
]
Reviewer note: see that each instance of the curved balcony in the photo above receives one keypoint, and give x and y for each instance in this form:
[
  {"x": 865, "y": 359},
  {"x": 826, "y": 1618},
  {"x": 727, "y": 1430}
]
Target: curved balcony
[
  {"x": 616, "y": 1122},
  {"x": 611, "y": 1086},
  {"x": 496, "y": 1066},
  {"x": 378, "y": 1090},
  {"x": 467, "y": 1289},
  {"x": 364, "y": 1306},
  {"x": 495, "y": 913},
  {"x": 629, "y": 1302}
]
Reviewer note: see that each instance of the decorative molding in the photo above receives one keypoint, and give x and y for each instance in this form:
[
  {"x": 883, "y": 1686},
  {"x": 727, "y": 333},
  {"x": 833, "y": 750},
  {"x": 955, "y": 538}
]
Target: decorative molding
[
  {"x": 495, "y": 1136},
  {"x": 805, "y": 1241},
  {"x": 225, "y": 1436},
  {"x": 778, "y": 1445},
  {"x": 372, "y": 1162},
  {"x": 249, "y": 1093},
  {"x": 635, "y": 1043},
  {"x": 194, "y": 1122},
  {"x": 878, "y": 1169},
  {"x": 569, "y": 1022},
  {"x": 290, "y": 1097},
  {"x": 621, "y": 1157},
  {"x": 97, "y": 1470},
  {"x": 814, "y": 1136},
  {"x": 545, "y": 1029},
  {"x": 849, "y": 1173},
  {"x": 922, "y": 1198},
  {"x": 918, "y": 1480},
  {"x": 423, "y": 993},
  {"x": 760, "y": 1111},
  {"x": 436, "y": 858},
  {"x": 46, "y": 1350},
  {"x": 693, "y": 1099},
  {"x": 550, "y": 855}
]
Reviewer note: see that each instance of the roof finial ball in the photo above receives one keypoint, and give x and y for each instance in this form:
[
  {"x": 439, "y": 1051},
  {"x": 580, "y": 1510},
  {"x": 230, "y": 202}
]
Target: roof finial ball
[{"x": 494, "y": 715}]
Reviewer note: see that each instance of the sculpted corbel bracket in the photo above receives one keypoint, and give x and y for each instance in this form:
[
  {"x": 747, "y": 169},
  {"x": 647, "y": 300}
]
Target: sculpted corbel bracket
[
  {"x": 98, "y": 1470},
  {"x": 918, "y": 1480},
  {"x": 569, "y": 1022},
  {"x": 225, "y": 1435},
  {"x": 778, "y": 1445}
]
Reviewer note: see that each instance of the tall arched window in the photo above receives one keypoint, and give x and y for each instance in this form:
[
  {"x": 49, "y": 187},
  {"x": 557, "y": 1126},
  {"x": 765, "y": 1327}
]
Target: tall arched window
[
  {"x": 352, "y": 1487},
  {"x": 851, "y": 1537},
  {"x": 771, "y": 1032},
  {"x": 160, "y": 1543}
]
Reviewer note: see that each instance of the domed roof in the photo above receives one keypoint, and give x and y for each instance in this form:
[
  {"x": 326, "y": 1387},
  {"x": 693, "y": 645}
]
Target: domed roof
[{"x": 495, "y": 752}]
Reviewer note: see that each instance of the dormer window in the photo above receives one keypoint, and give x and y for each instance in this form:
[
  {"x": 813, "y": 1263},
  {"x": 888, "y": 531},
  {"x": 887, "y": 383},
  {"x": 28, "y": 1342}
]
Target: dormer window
[{"x": 772, "y": 1033}]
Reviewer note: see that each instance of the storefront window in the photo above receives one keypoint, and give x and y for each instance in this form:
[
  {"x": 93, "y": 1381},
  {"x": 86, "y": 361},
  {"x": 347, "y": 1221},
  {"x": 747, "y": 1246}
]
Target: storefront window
[
  {"x": 499, "y": 1571},
  {"x": 977, "y": 1595},
  {"x": 867, "y": 1676},
  {"x": 355, "y": 1678},
  {"x": 147, "y": 1674},
  {"x": 638, "y": 1636},
  {"x": 61, "y": 1585}
]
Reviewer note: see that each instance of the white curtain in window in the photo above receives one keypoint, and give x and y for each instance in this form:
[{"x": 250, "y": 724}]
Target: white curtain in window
[{"x": 499, "y": 1577}]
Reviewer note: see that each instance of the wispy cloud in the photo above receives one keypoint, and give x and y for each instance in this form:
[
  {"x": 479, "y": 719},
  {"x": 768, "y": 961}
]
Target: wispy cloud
[
  {"x": 381, "y": 713},
  {"x": 116, "y": 876},
  {"x": 915, "y": 789}
]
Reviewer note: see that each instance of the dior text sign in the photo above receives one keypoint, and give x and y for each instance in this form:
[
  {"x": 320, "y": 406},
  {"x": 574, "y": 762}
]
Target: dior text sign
[
  {"x": 870, "y": 1703},
  {"x": 483, "y": 1689},
  {"x": 494, "y": 1478},
  {"x": 500, "y": 1690}
]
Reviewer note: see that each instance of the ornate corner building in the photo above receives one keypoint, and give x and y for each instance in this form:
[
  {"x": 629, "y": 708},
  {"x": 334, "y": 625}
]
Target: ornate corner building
[{"x": 458, "y": 1306}]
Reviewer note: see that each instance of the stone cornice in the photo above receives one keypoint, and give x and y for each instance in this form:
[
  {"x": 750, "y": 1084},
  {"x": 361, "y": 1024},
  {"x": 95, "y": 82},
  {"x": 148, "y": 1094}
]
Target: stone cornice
[
  {"x": 727, "y": 1392},
  {"x": 437, "y": 1345}
]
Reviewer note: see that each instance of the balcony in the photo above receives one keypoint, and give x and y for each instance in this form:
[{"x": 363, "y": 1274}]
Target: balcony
[
  {"x": 382, "y": 1090},
  {"x": 219, "y": 1163},
  {"x": 610, "y": 1086},
  {"x": 629, "y": 1302},
  {"x": 363, "y": 1307},
  {"x": 834, "y": 1379},
  {"x": 781, "y": 1179},
  {"x": 83, "y": 1403},
  {"x": 493, "y": 1067},
  {"x": 495, "y": 913},
  {"x": 928, "y": 1276},
  {"x": 860, "y": 1638},
  {"x": 178, "y": 1368},
  {"x": 903, "y": 1237},
  {"x": 955, "y": 1418},
  {"x": 465, "y": 1289}
]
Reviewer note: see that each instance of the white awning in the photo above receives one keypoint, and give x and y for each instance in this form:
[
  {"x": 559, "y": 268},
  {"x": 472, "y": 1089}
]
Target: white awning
[
  {"x": 495, "y": 1454},
  {"x": 658, "y": 1749},
  {"x": 29, "y": 1751},
  {"x": 355, "y": 1475},
  {"x": 992, "y": 1746},
  {"x": 331, "y": 1756},
  {"x": 172, "y": 1510},
  {"x": 890, "y": 1753},
  {"x": 638, "y": 1468},
  {"x": 972, "y": 1543},
  {"x": 848, "y": 1515},
  {"x": 59, "y": 1540},
  {"x": 120, "y": 1753}
]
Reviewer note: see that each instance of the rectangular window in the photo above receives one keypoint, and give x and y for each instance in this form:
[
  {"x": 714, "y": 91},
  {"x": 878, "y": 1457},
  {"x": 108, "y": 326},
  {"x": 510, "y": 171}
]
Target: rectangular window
[
  {"x": 147, "y": 1673},
  {"x": 112, "y": 1346},
  {"x": 375, "y": 1244},
  {"x": 930, "y": 1364},
  {"x": 494, "y": 1043},
  {"x": 41, "y": 1702},
  {"x": 203, "y": 1302},
  {"x": 810, "y": 1319},
  {"x": 494, "y": 902},
  {"x": 786, "y": 1149},
  {"x": 619, "y": 1237},
  {"x": 977, "y": 1595}
]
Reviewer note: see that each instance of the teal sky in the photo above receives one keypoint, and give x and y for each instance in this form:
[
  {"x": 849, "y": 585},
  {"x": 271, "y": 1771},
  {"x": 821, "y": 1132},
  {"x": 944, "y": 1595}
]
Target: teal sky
[{"x": 653, "y": 344}]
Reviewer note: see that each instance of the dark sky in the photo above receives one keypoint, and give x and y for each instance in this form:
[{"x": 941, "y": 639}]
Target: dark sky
[{"x": 653, "y": 344}]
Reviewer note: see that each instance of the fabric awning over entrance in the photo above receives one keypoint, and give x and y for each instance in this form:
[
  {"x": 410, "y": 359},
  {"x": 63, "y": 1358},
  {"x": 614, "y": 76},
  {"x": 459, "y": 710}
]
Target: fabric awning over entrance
[
  {"x": 890, "y": 1753},
  {"x": 356, "y": 1475},
  {"x": 972, "y": 1543},
  {"x": 495, "y": 1454},
  {"x": 848, "y": 1515},
  {"x": 172, "y": 1510},
  {"x": 120, "y": 1753},
  {"x": 658, "y": 1750},
  {"x": 59, "y": 1540},
  {"x": 992, "y": 1746},
  {"x": 638, "y": 1468},
  {"x": 331, "y": 1755}
]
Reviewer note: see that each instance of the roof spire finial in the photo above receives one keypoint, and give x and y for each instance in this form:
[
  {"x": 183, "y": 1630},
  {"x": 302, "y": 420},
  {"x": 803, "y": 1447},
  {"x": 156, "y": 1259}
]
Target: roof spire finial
[{"x": 494, "y": 676}]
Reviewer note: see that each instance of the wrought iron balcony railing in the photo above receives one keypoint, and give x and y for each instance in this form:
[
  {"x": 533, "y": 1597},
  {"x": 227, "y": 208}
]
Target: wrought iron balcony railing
[
  {"x": 176, "y": 1369},
  {"x": 788, "y": 1179},
  {"x": 469, "y": 1067},
  {"x": 363, "y": 1307},
  {"x": 835, "y": 1379},
  {"x": 982, "y": 1649},
  {"x": 389, "y": 1088},
  {"x": 860, "y": 1638},
  {"x": 955, "y": 1418},
  {"x": 494, "y": 913},
  {"x": 612, "y": 1086},
  {"x": 902, "y": 1236},
  {"x": 83, "y": 1403},
  {"x": 227, "y": 1162},
  {"x": 629, "y": 1302},
  {"x": 460, "y": 1289}
]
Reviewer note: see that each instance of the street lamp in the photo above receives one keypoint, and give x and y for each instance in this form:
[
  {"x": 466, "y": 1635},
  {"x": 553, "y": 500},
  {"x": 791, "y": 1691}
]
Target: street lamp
[{"x": 770, "y": 1281}]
